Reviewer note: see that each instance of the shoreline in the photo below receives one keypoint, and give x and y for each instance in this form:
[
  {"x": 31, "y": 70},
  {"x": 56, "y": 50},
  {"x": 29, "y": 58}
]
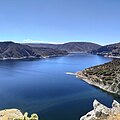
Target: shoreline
[
  {"x": 114, "y": 57},
  {"x": 21, "y": 58},
  {"x": 108, "y": 56},
  {"x": 81, "y": 76},
  {"x": 44, "y": 57},
  {"x": 30, "y": 57}
]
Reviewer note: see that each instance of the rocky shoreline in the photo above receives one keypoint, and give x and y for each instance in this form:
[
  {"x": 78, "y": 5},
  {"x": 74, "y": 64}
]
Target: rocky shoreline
[
  {"x": 91, "y": 81},
  {"x": 15, "y": 114},
  {"x": 30, "y": 57},
  {"x": 101, "y": 112},
  {"x": 105, "y": 77},
  {"x": 111, "y": 56}
]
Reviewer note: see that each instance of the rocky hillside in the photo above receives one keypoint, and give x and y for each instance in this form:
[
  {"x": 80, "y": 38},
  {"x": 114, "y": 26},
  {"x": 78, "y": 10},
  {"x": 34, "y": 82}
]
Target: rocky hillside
[
  {"x": 112, "y": 50},
  {"x": 106, "y": 76},
  {"x": 101, "y": 112},
  {"x": 71, "y": 46},
  {"x": 11, "y": 50}
]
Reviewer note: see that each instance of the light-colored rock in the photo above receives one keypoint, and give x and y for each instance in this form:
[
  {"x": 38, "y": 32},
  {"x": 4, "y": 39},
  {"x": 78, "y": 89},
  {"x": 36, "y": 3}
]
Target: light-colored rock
[
  {"x": 15, "y": 114},
  {"x": 115, "y": 107},
  {"x": 89, "y": 116},
  {"x": 10, "y": 114},
  {"x": 101, "y": 112}
]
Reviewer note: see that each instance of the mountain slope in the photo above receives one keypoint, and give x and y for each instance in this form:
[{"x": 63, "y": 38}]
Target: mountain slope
[
  {"x": 11, "y": 50},
  {"x": 106, "y": 76},
  {"x": 112, "y": 50},
  {"x": 70, "y": 47},
  {"x": 79, "y": 47}
]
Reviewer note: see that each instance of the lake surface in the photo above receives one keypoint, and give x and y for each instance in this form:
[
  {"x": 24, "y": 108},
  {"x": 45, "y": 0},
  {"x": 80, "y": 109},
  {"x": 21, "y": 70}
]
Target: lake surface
[{"x": 41, "y": 86}]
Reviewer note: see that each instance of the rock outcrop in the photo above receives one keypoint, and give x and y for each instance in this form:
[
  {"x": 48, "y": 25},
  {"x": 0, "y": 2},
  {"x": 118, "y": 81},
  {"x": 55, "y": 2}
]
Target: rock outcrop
[
  {"x": 15, "y": 114},
  {"x": 101, "y": 112}
]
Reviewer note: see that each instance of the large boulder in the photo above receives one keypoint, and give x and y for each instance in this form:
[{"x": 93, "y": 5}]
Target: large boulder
[
  {"x": 115, "y": 107},
  {"x": 102, "y": 112}
]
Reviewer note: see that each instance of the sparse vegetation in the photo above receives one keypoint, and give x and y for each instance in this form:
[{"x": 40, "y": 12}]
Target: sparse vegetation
[
  {"x": 107, "y": 75},
  {"x": 112, "y": 50},
  {"x": 107, "y": 72}
]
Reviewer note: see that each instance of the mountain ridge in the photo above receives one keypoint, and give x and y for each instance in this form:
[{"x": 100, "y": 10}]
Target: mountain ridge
[
  {"x": 70, "y": 46},
  {"x": 111, "y": 50},
  {"x": 11, "y": 50}
]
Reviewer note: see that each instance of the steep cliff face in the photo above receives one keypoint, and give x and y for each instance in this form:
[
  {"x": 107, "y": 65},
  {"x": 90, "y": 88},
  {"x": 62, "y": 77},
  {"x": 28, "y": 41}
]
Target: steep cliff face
[
  {"x": 101, "y": 112},
  {"x": 106, "y": 76}
]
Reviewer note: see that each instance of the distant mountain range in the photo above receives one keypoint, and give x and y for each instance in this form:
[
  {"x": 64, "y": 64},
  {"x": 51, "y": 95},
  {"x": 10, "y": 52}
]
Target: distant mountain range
[
  {"x": 11, "y": 50},
  {"x": 112, "y": 50},
  {"x": 70, "y": 47}
]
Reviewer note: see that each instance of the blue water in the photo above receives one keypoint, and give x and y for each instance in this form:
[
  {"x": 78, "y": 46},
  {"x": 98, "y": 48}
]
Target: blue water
[{"x": 41, "y": 86}]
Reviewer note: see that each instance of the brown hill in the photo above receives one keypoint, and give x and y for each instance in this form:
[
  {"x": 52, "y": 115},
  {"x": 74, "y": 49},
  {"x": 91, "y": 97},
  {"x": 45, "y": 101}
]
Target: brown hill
[
  {"x": 112, "y": 50},
  {"x": 11, "y": 50},
  {"x": 70, "y": 46}
]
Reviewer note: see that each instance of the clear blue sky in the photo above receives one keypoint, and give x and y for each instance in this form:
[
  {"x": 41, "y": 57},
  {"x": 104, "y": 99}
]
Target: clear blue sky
[{"x": 60, "y": 20}]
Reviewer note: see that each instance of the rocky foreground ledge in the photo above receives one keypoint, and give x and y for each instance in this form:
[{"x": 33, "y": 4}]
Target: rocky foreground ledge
[
  {"x": 15, "y": 114},
  {"x": 101, "y": 112}
]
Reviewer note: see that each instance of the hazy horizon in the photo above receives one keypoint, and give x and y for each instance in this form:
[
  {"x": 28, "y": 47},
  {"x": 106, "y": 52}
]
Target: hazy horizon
[{"x": 41, "y": 42}]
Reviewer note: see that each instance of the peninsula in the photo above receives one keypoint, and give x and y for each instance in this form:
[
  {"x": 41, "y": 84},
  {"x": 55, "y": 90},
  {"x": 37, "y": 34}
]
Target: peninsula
[{"x": 106, "y": 76}]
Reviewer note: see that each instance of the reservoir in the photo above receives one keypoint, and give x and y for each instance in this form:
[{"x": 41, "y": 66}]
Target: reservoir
[{"x": 43, "y": 87}]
